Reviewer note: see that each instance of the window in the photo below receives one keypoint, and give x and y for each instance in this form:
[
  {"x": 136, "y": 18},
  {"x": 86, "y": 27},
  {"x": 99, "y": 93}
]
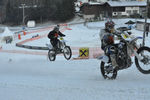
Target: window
[
  {"x": 121, "y": 9},
  {"x": 129, "y": 11},
  {"x": 135, "y": 11},
  {"x": 119, "y": 13}
]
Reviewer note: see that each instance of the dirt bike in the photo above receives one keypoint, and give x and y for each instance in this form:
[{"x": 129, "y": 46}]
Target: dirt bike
[
  {"x": 62, "y": 49},
  {"x": 126, "y": 48}
]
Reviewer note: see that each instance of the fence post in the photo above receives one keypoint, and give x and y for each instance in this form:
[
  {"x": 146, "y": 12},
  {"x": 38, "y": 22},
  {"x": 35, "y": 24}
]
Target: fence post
[{"x": 19, "y": 36}]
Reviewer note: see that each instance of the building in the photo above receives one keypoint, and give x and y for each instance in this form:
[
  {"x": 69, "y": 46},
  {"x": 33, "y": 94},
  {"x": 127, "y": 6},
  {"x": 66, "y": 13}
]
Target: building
[
  {"x": 85, "y": 1},
  {"x": 140, "y": 25},
  {"x": 127, "y": 8},
  {"x": 92, "y": 10},
  {"x": 106, "y": 0}
]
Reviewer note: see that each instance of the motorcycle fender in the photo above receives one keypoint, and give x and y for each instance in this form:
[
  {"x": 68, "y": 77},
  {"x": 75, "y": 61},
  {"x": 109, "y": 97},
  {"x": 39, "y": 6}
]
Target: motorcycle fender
[
  {"x": 136, "y": 38},
  {"x": 103, "y": 58}
]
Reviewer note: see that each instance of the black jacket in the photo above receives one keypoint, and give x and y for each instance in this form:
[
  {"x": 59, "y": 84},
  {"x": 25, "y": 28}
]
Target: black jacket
[
  {"x": 52, "y": 34},
  {"x": 147, "y": 28}
]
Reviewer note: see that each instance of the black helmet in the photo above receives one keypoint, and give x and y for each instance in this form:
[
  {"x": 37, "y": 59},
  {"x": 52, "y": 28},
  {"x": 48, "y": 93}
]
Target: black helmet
[
  {"x": 56, "y": 28},
  {"x": 109, "y": 25}
]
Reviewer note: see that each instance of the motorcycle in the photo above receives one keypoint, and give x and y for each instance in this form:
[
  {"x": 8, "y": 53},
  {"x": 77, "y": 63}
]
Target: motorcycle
[
  {"x": 126, "y": 48},
  {"x": 62, "y": 49}
]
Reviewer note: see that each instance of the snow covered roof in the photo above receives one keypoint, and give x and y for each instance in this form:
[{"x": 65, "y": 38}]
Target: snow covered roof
[
  {"x": 90, "y": 2},
  {"x": 127, "y": 3},
  {"x": 95, "y": 3},
  {"x": 83, "y": 1}
]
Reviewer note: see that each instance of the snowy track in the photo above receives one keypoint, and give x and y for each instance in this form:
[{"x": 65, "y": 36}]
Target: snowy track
[{"x": 72, "y": 81}]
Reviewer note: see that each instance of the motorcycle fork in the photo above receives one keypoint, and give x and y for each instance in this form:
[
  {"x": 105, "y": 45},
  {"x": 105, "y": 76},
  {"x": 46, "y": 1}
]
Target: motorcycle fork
[
  {"x": 61, "y": 45},
  {"x": 135, "y": 52}
]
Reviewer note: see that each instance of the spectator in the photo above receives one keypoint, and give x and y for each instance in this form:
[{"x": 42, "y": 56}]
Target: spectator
[{"x": 147, "y": 29}]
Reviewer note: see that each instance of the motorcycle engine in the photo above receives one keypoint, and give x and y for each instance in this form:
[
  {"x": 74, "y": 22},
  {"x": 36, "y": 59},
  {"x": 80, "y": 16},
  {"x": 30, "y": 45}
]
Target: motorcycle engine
[{"x": 123, "y": 59}]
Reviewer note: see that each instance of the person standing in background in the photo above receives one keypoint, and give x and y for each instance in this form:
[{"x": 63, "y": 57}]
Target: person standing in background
[{"x": 147, "y": 29}]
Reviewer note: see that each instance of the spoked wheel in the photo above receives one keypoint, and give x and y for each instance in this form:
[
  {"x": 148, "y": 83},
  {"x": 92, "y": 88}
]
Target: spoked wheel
[
  {"x": 144, "y": 64},
  {"x": 67, "y": 52},
  {"x": 51, "y": 55},
  {"x": 107, "y": 71}
]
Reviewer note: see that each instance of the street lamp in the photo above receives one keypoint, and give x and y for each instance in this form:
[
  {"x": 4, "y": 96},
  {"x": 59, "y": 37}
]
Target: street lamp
[
  {"x": 145, "y": 23},
  {"x": 23, "y": 6}
]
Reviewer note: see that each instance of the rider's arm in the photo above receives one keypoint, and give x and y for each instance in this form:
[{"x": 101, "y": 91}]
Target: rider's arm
[{"x": 61, "y": 34}]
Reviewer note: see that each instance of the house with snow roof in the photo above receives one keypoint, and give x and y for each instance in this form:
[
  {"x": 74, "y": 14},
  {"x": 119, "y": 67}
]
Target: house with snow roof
[
  {"x": 141, "y": 23},
  {"x": 127, "y": 8},
  {"x": 92, "y": 10}
]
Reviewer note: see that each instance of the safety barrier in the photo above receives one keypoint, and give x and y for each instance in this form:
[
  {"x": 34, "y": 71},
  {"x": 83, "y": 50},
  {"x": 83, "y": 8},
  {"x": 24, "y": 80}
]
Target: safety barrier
[
  {"x": 83, "y": 53},
  {"x": 32, "y": 47},
  {"x": 24, "y": 52}
]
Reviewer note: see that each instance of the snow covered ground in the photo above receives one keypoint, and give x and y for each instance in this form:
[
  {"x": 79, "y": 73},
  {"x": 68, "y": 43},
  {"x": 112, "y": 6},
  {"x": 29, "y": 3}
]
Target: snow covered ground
[{"x": 33, "y": 77}]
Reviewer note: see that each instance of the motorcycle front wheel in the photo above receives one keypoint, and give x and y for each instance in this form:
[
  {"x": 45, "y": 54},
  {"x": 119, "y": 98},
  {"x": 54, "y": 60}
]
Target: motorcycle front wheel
[
  {"x": 107, "y": 71},
  {"x": 67, "y": 52},
  {"x": 143, "y": 65},
  {"x": 52, "y": 55}
]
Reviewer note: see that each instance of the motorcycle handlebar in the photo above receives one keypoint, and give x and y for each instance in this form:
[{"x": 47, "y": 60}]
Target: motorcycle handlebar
[{"x": 117, "y": 34}]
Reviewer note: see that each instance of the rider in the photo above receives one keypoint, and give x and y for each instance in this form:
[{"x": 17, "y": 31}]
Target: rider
[
  {"x": 107, "y": 42},
  {"x": 106, "y": 36},
  {"x": 53, "y": 36}
]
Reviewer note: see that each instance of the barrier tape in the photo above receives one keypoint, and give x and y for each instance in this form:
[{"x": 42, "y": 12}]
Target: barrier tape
[{"x": 38, "y": 37}]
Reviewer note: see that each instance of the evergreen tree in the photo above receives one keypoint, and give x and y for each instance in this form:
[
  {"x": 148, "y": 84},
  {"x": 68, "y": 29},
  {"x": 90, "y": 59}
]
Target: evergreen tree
[
  {"x": 1, "y": 2},
  {"x": 55, "y": 10},
  {"x": 13, "y": 14},
  {"x": 65, "y": 10},
  {"x": 149, "y": 11},
  {"x": 9, "y": 13}
]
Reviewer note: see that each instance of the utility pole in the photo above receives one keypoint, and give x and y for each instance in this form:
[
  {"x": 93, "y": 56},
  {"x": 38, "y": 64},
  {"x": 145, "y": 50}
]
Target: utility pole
[
  {"x": 23, "y": 16},
  {"x": 145, "y": 23}
]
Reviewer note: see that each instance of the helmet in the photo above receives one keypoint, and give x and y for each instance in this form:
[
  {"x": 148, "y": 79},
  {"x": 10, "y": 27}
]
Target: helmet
[
  {"x": 109, "y": 26},
  {"x": 56, "y": 28}
]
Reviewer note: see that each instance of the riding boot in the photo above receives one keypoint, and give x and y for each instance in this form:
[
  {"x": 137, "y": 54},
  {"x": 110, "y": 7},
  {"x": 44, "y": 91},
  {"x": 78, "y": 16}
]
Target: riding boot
[{"x": 113, "y": 60}]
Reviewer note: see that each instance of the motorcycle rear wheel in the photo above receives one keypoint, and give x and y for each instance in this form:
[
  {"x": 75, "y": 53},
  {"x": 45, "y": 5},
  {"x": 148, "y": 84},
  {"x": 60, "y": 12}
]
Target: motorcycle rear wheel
[
  {"x": 144, "y": 65},
  {"x": 107, "y": 75},
  {"x": 52, "y": 55}
]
